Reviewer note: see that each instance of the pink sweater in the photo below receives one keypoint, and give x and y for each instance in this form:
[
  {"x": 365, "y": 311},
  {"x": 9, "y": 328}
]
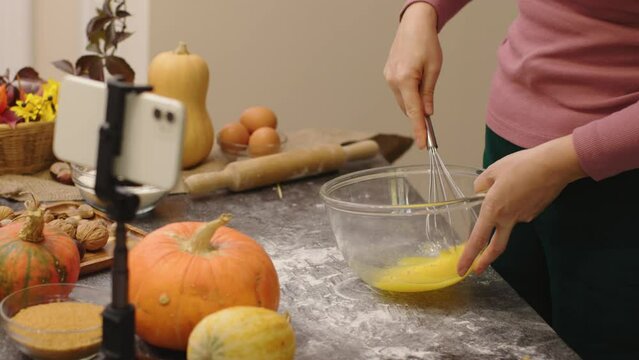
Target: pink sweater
[{"x": 568, "y": 67}]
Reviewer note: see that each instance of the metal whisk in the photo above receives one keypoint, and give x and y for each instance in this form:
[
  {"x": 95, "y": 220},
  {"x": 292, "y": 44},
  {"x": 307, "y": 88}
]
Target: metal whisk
[{"x": 441, "y": 188}]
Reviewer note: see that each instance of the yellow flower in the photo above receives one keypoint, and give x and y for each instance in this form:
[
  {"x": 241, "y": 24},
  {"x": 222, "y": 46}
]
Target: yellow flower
[
  {"x": 48, "y": 112},
  {"x": 50, "y": 91},
  {"x": 29, "y": 108},
  {"x": 39, "y": 108},
  {"x": 50, "y": 96}
]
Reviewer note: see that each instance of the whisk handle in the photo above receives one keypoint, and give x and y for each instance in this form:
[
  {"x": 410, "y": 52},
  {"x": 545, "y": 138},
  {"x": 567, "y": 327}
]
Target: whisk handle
[{"x": 431, "y": 141}]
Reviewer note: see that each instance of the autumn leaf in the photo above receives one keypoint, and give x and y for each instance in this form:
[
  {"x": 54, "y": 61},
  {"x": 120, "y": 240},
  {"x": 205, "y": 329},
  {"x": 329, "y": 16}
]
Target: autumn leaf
[
  {"x": 94, "y": 39},
  {"x": 28, "y": 73},
  {"x": 118, "y": 66},
  {"x": 91, "y": 66},
  {"x": 9, "y": 118},
  {"x": 97, "y": 24},
  {"x": 106, "y": 8},
  {"x": 121, "y": 36},
  {"x": 64, "y": 65},
  {"x": 27, "y": 86},
  {"x": 6, "y": 116},
  {"x": 93, "y": 47},
  {"x": 5, "y": 77},
  {"x": 3, "y": 98},
  {"x": 11, "y": 95},
  {"x": 109, "y": 36}
]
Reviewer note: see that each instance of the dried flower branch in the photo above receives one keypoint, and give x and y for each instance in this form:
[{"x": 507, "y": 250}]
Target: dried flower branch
[{"x": 105, "y": 31}]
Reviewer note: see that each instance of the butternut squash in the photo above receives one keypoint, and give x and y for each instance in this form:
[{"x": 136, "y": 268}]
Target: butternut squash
[{"x": 184, "y": 76}]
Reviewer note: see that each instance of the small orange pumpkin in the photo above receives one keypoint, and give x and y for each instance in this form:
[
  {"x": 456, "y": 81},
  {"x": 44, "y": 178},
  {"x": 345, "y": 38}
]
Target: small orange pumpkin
[
  {"x": 185, "y": 271},
  {"x": 34, "y": 253}
]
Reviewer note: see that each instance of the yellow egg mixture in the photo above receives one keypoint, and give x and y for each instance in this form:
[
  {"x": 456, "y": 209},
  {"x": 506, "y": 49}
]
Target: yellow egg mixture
[{"x": 420, "y": 273}]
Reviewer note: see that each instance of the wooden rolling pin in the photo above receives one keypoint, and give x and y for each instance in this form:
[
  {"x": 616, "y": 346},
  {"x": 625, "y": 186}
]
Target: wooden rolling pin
[{"x": 272, "y": 169}]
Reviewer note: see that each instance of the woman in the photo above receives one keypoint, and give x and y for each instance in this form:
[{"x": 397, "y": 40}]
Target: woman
[{"x": 561, "y": 158}]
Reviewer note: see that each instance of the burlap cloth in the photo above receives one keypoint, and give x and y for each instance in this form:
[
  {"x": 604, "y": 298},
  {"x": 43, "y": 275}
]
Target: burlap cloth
[{"x": 45, "y": 188}]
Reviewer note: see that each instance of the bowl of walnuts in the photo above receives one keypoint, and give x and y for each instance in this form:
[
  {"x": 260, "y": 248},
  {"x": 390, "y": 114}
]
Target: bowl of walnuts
[{"x": 90, "y": 232}]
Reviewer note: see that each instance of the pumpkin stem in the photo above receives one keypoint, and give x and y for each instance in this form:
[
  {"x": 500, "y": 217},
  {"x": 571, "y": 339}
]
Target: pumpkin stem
[
  {"x": 31, "y": 204},
  {"x": 181, "y": 49},
  {"x": 32, "y": 220},
  {"x": 201, "y": 241},
  {"x": 32, "y": 226}
]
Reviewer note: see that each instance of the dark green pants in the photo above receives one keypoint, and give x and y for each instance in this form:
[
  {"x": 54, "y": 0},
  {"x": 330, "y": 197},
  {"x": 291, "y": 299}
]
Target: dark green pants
[{"x": 577, "y": 263}]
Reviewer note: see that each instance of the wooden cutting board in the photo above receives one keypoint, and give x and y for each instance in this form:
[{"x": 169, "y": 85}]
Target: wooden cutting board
[{"x": 94, "y": 261}]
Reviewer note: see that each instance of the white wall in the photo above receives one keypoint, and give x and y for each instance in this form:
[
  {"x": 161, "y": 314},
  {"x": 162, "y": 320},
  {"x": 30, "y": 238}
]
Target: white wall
[{"x": 16, "y": 35}]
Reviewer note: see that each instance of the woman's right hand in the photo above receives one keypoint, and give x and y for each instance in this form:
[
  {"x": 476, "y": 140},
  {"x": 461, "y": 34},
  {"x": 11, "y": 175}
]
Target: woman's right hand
[{"x": 413, "y": 65}]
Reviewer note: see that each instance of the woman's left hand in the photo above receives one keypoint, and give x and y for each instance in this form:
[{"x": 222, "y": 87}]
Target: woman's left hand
[{"x": 518, "y": 187}]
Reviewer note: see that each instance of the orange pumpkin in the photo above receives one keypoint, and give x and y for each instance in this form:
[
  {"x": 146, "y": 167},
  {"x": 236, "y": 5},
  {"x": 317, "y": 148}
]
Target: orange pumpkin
[
  {"x": 33, "y": 253},
  {"x": 185, "y": 271}
]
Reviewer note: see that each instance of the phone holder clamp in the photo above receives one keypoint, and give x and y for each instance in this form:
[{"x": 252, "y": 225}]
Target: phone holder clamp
[{"x": 118, "y": 319}]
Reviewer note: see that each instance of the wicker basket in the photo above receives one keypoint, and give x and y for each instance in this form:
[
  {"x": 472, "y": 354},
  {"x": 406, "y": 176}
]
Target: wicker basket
[{"x": 26, "y": 149}]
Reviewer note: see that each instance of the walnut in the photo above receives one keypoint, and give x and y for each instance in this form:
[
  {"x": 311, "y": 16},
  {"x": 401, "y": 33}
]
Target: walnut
[
  {"x": 61, "y": 172},
  {"x": 93, "y": 235},
  {"x": 5, "y": 212},
  {"x": 71, "y": 212},
  {"x": 63, "y": 226},
  {"x": 85, "y": 211},
  {"x": 48, "y": 216},
  {"x": 73, "y": 220}
]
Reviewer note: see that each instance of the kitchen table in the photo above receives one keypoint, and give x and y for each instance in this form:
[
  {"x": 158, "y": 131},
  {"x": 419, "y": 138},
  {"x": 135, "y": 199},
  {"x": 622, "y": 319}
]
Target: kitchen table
[{"x": 337, "y": 316}]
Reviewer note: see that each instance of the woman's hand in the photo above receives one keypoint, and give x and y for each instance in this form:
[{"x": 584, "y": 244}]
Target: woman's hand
[
  {"x": 518, "y": 187},
  {"x": 413, "y": 65}
]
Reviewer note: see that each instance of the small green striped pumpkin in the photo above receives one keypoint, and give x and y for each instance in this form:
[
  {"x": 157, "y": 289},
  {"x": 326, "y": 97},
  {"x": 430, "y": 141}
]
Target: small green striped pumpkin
[
  {"x": 33, "y": 253},
  {"x": 242, "y": 333}
]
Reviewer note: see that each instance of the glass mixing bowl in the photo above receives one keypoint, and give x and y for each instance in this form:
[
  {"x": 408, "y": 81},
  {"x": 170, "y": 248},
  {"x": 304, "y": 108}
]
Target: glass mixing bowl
[
  {"x": 379, "y": 216},
  {"x": 84, "y": 180}
]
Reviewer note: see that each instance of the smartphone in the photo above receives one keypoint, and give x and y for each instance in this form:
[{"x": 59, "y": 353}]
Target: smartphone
[{"x": 151, "y": 150}]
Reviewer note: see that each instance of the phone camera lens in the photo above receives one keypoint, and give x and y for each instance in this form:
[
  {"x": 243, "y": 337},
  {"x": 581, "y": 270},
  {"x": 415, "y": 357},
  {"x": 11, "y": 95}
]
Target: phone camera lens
[
  {"x": 170, "y": 116},
  {"x": 157, "y": 114}
]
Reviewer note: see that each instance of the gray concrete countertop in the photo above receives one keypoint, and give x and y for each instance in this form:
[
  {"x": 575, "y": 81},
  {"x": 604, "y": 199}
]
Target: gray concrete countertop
[{"x": 337, "y": 316}]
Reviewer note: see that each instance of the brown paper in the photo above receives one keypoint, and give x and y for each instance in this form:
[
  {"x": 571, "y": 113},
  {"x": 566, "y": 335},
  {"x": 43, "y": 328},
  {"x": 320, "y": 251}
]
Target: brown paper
[{"x": 41, "y": 185}]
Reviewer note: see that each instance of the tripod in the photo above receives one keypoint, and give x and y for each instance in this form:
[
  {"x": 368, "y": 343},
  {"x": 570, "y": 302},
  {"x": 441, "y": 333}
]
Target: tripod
[{"x": 118, "y": 319}]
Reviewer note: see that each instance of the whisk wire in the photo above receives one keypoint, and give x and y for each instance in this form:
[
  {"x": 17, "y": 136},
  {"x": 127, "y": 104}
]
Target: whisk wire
[{"x": 441, "y": 188}]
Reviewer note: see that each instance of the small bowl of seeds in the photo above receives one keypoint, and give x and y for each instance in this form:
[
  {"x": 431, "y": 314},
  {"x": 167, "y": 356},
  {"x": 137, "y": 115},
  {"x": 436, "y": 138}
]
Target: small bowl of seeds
[{"x": 55, "y": 321}]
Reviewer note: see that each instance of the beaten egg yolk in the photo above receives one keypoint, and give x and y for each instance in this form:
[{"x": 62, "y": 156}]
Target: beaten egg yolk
[{"x": 420, "y": 273}]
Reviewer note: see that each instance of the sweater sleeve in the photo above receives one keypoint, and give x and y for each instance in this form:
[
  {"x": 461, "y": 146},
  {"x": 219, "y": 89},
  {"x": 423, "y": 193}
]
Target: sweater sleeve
[
  {"x": 609, "y": 146},
  {"x": 445, "y": 9}
]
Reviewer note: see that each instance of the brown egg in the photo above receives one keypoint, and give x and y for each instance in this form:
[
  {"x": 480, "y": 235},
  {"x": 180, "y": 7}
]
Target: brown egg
[
  {"x": 258, "y": 116},
  {"x": 233, "y": 137},
  {"x": 264, "y": 141}
]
